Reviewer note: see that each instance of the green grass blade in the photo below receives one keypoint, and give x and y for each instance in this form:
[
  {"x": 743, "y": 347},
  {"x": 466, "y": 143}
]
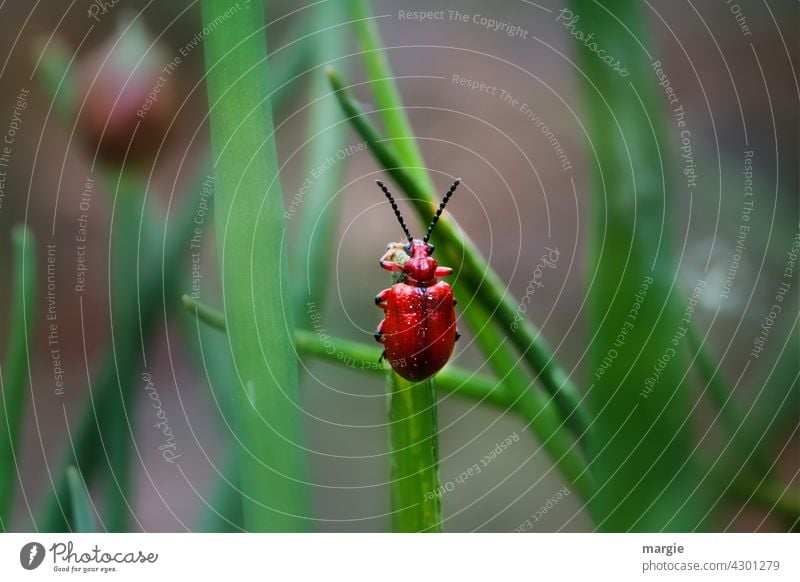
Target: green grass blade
[
  {"x": 721, "y": 396},
  {"x": 117, "y": 372},
  {"x": 225, "y": 512},
  {"x": 15, "y": 372},
  {"x": 772, "y": 415},
  {"x": 543, "y": 420},
  {"x": 539, "y": 411},
  {"x": 208, "y": 315},
  {"x": 476, "y": 274},
  {"x": 413, "y": 436},
  {"x": 641, "y": 455},
  {"x": 116, "y": 430},
  {"x": 311, "y": 259},
  {"x": 57, "y": 76},
  {"x": 211, "y": 353},
  {"x": 250, "y": 232},
  {"x": 358, "y": 356},
  {"x": 288, "y": 66},
  {"x": 399, "y": 131},
  {"x": 82, "y": 517},
  {"x": 387, "y": 97}
]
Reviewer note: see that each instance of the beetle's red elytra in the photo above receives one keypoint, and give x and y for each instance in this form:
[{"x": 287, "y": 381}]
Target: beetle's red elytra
[{"x": 419, "y": 330}]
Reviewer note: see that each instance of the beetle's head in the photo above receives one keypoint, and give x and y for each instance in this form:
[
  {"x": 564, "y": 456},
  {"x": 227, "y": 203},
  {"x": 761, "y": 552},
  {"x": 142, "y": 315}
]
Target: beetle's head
[{"x": 421, "y": 267}]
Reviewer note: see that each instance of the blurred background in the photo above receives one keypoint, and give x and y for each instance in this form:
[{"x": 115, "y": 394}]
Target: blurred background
[{"x": 733, "y": 73}]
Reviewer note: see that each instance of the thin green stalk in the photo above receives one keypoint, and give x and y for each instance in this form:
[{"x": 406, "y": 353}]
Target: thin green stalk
[
  {"x": 358, "y": 356},
  {"x": 476, "y": 274},
  {"x": 225, "y": 514},
  {"x": 741, "y": 484},
  {"x": 311, "y": 260},
  {"x": 770, "y": 415},
  {"x": 481, "y": 388},
  {"x": 287, "y": 66},
  {"x": 387, "y": 97},
  {"x": 538, "y": 410},
  {"x": 722, "y": 398},
  {"x": 211, "y": 354},
  {"x": 205, "y": 313},
  {"x": 641, "y": 451},
  {"x": 712, "y": 377},
  {"x": 413, "y": 435},
  {"x": 15, "y": 372},
  {"x": 82, "y": 517},
  {"x": 117, "y": 371},
  {"x": 783, "y": 501},
  {"x": 250, "y": 237},
  {"x": 58, "y": 77},
  {"x": 116, "y": 430}
]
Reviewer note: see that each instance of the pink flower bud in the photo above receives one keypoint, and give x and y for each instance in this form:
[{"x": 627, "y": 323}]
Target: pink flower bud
[{"x": 128, "y": 94}]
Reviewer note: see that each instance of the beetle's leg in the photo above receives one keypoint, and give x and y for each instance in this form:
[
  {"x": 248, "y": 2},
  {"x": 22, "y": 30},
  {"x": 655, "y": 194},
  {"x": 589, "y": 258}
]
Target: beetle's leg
[
  {"x": 379, "y": 332},
  {"x": 379, "y": 339},
  {"x": 458, "y": 334},
  {"x": 387, "y": 262},
  {"x": 443, "y": 271},
  {"x": 391, "y": 266},
  {"x": 381, "y": 298}
]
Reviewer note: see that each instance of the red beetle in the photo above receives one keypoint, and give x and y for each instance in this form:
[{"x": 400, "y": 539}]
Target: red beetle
[{"x": 419, "y": 329}]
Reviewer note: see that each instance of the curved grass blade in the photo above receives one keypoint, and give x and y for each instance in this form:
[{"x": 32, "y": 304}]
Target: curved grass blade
[
  {"x": 15, "y": 372},
  {"x": 413, "y": 436},
  {"x": 311, "y": 259},
  {"x": 250, "y": 236},
  {"x": 641, "y": 445},
  {"x": 476, "y": 274},
  {"x": 82, "y": 517}
]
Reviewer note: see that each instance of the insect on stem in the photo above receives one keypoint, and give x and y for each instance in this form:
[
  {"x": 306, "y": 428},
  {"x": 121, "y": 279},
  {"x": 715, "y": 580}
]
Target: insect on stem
[{"x": 419, "y": 330}]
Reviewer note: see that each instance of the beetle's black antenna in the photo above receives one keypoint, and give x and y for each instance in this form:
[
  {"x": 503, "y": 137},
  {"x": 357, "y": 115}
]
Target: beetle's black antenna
[
  {"x": 441, "y": 208},
  {"x": 396, "y": 210}
]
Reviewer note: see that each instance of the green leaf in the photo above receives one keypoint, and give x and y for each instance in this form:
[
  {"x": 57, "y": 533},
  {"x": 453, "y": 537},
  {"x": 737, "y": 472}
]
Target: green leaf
[
  {"x": 57, "y": 75},
  {"x": 224, "y": 512},
  {"x": 476, "y": 274},
  {"x": 641, "y": 446},
  {"x": 15, "y": 371},
  {"x": 387, "y": 97},
  {"x": 212, "y": 355},
  {"x": 413, "y": 435},
  {"x": 319, "y": 214},
  {"x": 540, "y": 412},
  {"x": 355, "y": 355},
  {"x": 116, "y": 373},
  {"x": 250, "y": 237},
  {"x": 116, "y": 429},
  {"x": 82, "y": 518}
]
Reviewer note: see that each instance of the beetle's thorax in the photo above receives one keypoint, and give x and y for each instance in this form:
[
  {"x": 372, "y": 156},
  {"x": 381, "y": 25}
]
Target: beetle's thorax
[{"x": 420, "y": 269}]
